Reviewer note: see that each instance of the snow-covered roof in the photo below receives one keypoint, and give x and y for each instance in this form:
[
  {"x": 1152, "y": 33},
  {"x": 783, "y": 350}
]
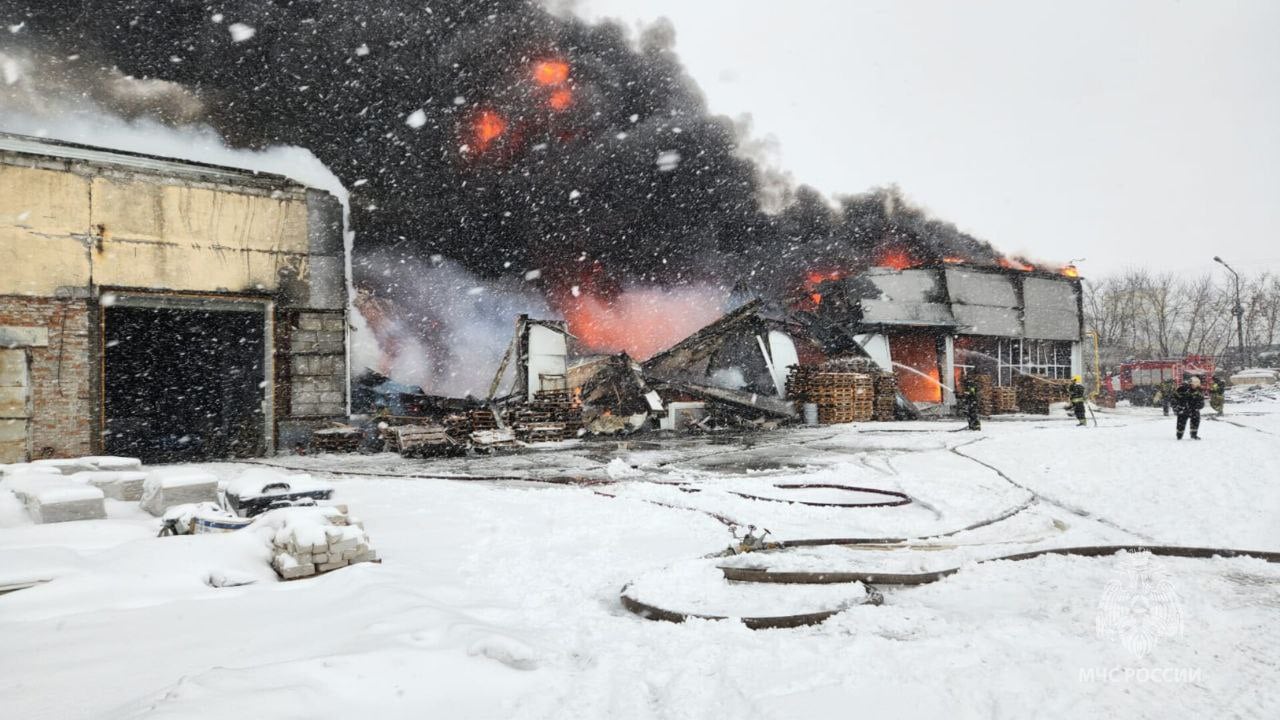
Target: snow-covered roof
[{"x": 61, "y": 150}]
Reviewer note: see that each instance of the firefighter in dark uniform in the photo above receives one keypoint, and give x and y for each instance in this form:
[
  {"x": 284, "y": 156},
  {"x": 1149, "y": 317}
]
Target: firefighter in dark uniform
[
  {"x": 1187, "y": 402},
  {"x": 969, "y": 397},
  {"x": 1164, "y": 394},
  {"x": 1076, "y": 393},
  {"x": 1217, "y": 395}
]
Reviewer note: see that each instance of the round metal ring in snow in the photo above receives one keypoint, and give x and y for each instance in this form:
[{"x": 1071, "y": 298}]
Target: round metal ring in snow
[
  {"x": 653, "y": 612},
  {"x": 757, "y": 575},
  {"x": 899, "y": 498}
]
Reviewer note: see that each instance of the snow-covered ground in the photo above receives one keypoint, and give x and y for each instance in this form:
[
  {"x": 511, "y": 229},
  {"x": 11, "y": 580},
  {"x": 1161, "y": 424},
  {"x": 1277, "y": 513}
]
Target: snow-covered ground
[{"x": 499, "y": 597}]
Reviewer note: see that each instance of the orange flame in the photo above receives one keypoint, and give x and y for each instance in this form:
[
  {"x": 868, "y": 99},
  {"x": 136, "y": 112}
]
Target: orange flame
[
  {"x": 561, "y": 99},
  {"x": 1070, "y": 271},
  {"x": 896, "y": 258},
  {"x": 917, "y": 350},
  {"x": 551, "y": 72},
  {"x": 813, "y": 279},
  {"x": 638, "y": 322},
  {"x": 641, "y": 321},
  {"x": 1015, "y": 264},
  {"x": 488, "y": 126},
  {"x": 953, "y": 260}
]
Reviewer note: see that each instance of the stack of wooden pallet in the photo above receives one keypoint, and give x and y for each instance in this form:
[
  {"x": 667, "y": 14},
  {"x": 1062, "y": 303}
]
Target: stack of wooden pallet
[
  {"x": 564, "y": 406},
  {"x": 857, "y": 364},
  {"x": 1006, "y": 399},
  {"x": 535, "y": 425},
  {"x": 458, "y": 426},
  {"x": 886, "y": 397},
  {"x": 1036, "y": 393},
  {"x": 337, "y": 438},
  {"x": 551, "y": 416},
  {"x": 986, "y": 398},
  {"x": 841, "y": 397},
  {"x": 482, "y": 420},
  {"x": 418, "y": 440}
]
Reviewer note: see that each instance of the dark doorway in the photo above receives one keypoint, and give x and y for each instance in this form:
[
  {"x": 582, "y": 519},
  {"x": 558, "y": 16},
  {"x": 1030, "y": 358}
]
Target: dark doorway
[{"x": 183, "y": 384}]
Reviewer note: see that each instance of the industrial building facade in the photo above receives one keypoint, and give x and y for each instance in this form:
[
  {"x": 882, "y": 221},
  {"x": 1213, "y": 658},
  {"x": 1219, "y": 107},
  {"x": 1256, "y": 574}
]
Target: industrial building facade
[
  {"x": 929, "y": 325},
  {"x": 164, "y": 309}
]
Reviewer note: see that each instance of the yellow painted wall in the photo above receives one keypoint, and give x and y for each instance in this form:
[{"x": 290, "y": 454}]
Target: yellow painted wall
[{"x": 61, "y": 228}]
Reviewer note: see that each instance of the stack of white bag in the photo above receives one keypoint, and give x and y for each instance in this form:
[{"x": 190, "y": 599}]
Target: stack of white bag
[
  {"x": 119, "y": 478},
  {"x": 313, "y": 540},
  {"x": 49, "y": 497},
  {"x": 167, "y": 487}
]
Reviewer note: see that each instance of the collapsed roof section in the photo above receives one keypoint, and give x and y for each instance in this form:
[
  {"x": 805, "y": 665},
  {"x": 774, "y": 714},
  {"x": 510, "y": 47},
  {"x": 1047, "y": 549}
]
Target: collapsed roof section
[
  {"x": 747, "y": 350},
  {"x": 961, "y": 299}
]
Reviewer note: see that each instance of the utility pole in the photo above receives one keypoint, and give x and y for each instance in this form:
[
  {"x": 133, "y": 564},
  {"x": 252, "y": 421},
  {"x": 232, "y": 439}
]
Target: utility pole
[{"x": 1238, "y": 311}]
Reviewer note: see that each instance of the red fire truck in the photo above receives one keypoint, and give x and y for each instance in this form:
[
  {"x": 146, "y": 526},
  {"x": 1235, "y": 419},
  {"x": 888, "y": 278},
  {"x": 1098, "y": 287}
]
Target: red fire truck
[{"x": 1138, "y": 381}]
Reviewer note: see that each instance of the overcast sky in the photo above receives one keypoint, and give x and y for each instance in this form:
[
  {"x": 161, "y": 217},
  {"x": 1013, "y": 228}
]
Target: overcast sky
[{"x": 1133, "y": 133}]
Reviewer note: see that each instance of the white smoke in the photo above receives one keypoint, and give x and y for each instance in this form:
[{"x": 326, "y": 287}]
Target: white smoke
[
  {"x": 36, "y": 103},
  {"x": 443, "y": 328}
]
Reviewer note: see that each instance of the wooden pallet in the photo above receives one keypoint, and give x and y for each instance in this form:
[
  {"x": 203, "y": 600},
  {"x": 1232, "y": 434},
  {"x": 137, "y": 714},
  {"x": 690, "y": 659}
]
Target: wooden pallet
[
  {"x": 841, "y": 396},
  {"x": 417, "y": 439}
]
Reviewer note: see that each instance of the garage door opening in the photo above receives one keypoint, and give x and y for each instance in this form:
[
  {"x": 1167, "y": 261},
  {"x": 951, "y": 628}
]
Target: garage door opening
[
  {"x": 184, "y": 383},
  {"x": 915, "y": 359}
]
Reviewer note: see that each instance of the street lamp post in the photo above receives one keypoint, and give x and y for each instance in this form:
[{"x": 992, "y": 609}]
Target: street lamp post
[{"x": 1238, "y": 311}]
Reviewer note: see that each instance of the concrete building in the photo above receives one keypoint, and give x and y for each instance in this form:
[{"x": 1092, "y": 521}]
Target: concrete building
[
  {"x": 164, "y": 309},
  {"x": 930, "y": 324}
]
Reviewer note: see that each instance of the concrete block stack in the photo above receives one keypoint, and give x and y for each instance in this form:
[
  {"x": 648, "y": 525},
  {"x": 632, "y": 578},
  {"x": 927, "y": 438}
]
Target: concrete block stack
[
  {"x": 165, "y": 487},
  {"x": 312, "y": 541},
  {"x": 317, "y": 365}
]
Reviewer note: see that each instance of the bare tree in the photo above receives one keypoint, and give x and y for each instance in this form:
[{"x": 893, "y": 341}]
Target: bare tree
[{"x": 1139, "y": 314}]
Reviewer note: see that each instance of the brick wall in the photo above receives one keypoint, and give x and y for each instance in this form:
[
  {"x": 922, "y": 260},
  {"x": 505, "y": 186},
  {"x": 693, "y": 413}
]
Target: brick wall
[
  {"x": 62, "y": 407},
  {"x": 314, "y": 353}
]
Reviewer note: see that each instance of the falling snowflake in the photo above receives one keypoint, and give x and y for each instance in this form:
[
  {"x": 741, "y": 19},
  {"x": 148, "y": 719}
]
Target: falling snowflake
[
  {"x": 416, "y": 119},
  {"x": 668, "y": 160},
  {"x": 240, "y": 32}
]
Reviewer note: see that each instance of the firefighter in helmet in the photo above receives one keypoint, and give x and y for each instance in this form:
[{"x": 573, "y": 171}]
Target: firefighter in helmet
[
  {"x": 1217, "y": 395},
  {"x": 969, "y": 400},
  {"x": 1076, "y": 394},
  {"x": 1188, "y": 399},
  {"x": 1164, "y": 395}
]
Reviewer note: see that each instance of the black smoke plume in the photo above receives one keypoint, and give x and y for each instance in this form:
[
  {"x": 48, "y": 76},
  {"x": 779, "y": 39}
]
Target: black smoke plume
[{"x": 492, "y": 133}]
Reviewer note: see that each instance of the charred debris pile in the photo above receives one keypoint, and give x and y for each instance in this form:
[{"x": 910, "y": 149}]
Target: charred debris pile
[
  {"x": 887, "y": 344},
  {"x": 756, "y": 368}
]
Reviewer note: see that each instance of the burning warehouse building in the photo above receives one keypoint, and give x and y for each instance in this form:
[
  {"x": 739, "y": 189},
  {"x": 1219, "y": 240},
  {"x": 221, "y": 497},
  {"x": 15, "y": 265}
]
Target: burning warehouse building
[
  {"x": 163, "y": 309},
  {"x": 929, "y": 325}
]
